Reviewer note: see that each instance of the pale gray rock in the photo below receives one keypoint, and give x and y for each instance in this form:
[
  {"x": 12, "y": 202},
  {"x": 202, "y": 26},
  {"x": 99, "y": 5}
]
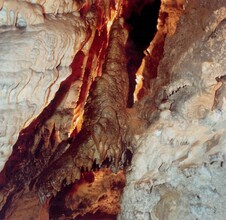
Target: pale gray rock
[{"x": 178, "y": 168}]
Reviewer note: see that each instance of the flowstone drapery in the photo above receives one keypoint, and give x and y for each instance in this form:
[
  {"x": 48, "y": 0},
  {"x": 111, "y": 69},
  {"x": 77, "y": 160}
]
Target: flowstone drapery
[{"x": 104, "y": 127}]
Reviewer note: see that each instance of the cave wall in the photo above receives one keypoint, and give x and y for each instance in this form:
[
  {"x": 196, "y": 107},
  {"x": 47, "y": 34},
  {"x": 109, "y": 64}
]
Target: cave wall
[
  {"x": 64, "y": 59},
  {"x": 68, "y": 43},
  {"x": 34, "y": 61},
  {"x": 178, "y": 166}
]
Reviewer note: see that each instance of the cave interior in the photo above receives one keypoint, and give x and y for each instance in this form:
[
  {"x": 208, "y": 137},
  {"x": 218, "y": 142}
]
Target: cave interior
[{"x": 101, "y": 98}]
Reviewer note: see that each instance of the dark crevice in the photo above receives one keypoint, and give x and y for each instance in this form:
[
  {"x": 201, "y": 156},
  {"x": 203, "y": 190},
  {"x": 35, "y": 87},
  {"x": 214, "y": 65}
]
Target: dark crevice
[
  {"x": 57, "y": 205},
  {"x": 9, "y": 200},
  {"x": 98, "y": 215},
  {"x": 141, "y": 19},
  {"x": 58, "y": 208}
]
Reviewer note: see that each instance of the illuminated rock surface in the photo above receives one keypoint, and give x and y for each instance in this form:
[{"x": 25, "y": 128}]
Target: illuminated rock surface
[
  {"x": 64, "y": 111},
  {"x": 34, "y": 62}
]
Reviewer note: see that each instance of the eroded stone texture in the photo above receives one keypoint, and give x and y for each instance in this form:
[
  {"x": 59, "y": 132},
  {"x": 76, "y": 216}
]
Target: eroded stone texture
[
  {"x": 177, "y": 129},
  {"x": 32, "y": 12},
  {"x": 104, "y": 125},
  {"x": 97, "y": 191},
  {"x": 178, "y": 166},
  {"x": 62, "y": 6},
  {"x": 27, "y": 202},
  {"x": 30, "y": 82},
  {"x": 169, "y": 14},
  {"x": 45, "y": 140}
]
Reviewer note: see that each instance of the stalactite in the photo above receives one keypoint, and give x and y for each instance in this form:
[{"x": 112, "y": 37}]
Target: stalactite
[{"x": 104, "y": 124}]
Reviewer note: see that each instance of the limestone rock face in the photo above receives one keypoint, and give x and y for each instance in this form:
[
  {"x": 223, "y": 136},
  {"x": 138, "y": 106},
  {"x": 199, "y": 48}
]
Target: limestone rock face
[
  {"x": 63, "y": 109},
  {"x": 74, "y": 46},
  {"x": 20, "y": 13},
  {"x": 178, "y": 166},
  {"x": 33, "y": 64},
  {"x": 61, "y": 6}
]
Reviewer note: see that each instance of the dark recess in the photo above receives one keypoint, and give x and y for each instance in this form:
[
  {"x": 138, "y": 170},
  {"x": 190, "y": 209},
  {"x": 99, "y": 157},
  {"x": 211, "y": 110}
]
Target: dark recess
[
  {"x": 97, "y": 216},
  {"x": 141, "y": 19}
]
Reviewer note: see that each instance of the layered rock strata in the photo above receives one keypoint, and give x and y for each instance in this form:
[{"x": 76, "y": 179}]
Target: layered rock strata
[{"x": 30, "y": 82}]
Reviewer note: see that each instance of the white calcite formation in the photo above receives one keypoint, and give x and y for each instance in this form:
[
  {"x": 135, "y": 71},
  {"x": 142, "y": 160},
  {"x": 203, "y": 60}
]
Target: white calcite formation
[
  {"x": 178, "y": 167},
  {"x": 21, "y": 13},
  {"x": 33, "y": 62},
  {"x": 32, "y": 11},
  {"x": 60, "y": 6}
]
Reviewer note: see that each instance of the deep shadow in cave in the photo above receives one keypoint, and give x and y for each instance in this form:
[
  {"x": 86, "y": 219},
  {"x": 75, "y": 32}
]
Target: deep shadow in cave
[
  {"x": 141, "y": 19},
  {"x": 58, "y": 209},
  {"x": 57, "y": 204},
  {"x": 97, "y": 216}
]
